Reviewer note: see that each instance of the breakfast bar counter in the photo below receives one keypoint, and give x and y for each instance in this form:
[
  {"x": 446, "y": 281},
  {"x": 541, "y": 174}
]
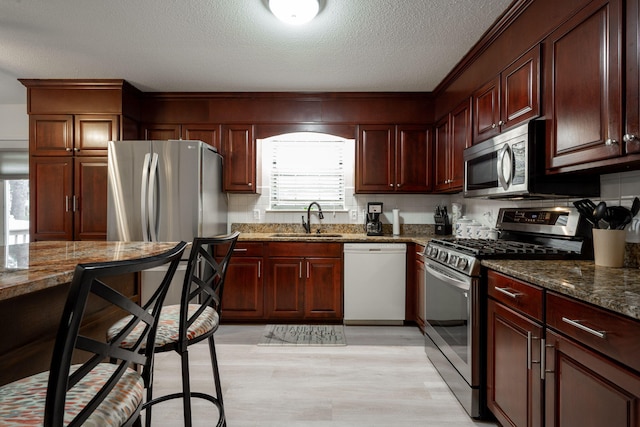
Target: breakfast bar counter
[{"x": 34, "y": 281}]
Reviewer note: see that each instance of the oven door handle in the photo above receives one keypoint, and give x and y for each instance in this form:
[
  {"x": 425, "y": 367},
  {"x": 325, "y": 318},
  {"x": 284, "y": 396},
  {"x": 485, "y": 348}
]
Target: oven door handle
[{"x": 462, "y": 284}]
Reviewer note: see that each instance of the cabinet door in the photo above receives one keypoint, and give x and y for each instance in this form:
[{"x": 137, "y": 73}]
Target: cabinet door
[
  {"x": 419, "y": 278},
  {"x": 92, "y": 131},
  {"x": 632, "y": 125},
  {"x": 375, "y": 159},
  {"x": 161, "y": 132},
  {"x": 460, "y": 138},
  {"x": 442, "y": 151},
  {"x": 239, "y": 151},
  {"x": 323, "y": 288},
  {"x": 582, "y": 87},
  {"x": 51, "y": 135},
  {"x": 51, "y": 193},
  {"x": 285, "y": 288},
  {"x": 514, "y": 386},
  {"x": 413, "y": 159},
  {"x": 243, "y": 291},
  {"x": 520, "y": 84},
  {"x": 89, "y": 201},
  {"x": 585, "y": 389},
  {"x": 207, "y": 133},
  {"x": 486, "y": 110}
]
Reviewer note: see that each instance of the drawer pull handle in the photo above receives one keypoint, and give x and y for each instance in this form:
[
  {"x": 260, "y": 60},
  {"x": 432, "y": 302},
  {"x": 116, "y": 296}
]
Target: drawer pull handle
[
  {"x": 239, "y": 250},
  {"x": 508, "y": 292},
  {"x": 577, "y": 324}
]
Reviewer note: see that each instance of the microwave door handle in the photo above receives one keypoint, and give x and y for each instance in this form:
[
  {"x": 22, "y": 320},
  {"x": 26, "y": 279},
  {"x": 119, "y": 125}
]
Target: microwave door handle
[{"x": 504, "y": 181}]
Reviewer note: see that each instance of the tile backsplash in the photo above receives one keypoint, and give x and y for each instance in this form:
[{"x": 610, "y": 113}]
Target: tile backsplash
[{"x": 616, "y": 188}]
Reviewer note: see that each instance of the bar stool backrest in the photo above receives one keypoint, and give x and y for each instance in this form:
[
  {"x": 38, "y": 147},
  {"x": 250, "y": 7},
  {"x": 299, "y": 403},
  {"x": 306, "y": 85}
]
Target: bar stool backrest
[{"x": 89, "y": 282}]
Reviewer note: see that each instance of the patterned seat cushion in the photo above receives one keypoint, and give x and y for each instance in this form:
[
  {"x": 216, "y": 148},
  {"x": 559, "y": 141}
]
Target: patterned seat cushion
[
  {"x": 168, "y": 326},
  {"x": 22, "y": 402}
]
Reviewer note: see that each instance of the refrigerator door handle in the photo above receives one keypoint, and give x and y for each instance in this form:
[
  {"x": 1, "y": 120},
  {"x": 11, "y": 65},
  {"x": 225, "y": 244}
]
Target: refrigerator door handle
[
  {"x": 144, "y": 216},
  {"x": 153, "y": 203}
]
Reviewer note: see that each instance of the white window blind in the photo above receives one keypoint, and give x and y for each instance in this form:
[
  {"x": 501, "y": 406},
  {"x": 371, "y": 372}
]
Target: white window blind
[{"x": 306, "y": 171}]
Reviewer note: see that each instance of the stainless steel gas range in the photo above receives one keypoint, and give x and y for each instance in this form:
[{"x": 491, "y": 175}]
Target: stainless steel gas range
[{"x": 455, "y": 290}]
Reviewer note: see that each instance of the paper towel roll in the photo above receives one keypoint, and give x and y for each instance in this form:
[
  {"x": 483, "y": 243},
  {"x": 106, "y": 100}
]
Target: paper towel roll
[{"x": 396, "y": 222}]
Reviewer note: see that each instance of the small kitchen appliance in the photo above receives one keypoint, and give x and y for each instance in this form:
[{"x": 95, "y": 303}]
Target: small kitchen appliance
[{"x": 373, "y": 225}]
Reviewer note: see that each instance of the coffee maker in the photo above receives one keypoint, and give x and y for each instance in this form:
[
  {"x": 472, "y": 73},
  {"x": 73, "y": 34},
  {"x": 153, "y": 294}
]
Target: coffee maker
[{"x": 373, "y": 225}]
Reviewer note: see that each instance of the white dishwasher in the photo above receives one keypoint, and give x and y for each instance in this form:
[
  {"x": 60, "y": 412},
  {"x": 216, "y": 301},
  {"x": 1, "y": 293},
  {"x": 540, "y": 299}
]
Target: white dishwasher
[{"x": 374, "y": 283}]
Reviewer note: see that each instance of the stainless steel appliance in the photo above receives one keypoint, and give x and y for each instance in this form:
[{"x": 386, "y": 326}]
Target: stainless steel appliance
[
  {"x": 512, "y": 165},
  {"x": 374, "y": 283},
  {"x": 164, "y": 191},
  {"x": 455, "y": 314},
  {"x": 373, "y": 225}
]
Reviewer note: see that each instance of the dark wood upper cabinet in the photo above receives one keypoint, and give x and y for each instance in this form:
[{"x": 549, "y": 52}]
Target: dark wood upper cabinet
[
  {"x": 375, "y": 159},
  {"x": 92, "y": 132},
  {"x": 452, "y": 135},
  {"x": 509, "y": 99},
  {"x": 631, "y": 138},
  {"x": 240, "y": 156},
  {"x": 209, "y": 133},
  {"x": 583, "y": 96},
  {"x": 413, "y": 159},
  {"x": 161, "y": 132},
  {"x": 393, "y": 159}
]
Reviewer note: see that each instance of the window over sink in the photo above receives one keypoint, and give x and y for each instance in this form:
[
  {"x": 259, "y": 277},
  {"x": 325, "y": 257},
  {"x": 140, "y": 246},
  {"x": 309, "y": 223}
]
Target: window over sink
[{"x": 304, "y": 167}]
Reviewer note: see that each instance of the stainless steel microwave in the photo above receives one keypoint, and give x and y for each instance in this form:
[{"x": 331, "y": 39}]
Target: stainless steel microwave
[{"x": 512, "y": 165}]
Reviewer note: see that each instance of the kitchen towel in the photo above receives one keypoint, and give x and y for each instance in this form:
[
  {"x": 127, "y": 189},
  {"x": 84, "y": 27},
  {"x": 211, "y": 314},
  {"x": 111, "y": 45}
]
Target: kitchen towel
[{"x": 396, "y": 222}]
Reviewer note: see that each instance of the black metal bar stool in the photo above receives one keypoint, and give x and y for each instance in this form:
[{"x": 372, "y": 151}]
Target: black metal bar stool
[
  {"x": 195, "y": 319},
  {"x": 93, "y": 392}
]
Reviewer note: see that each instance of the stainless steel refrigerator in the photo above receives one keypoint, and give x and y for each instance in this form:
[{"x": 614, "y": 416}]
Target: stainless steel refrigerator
[{"x": 164, "y": 191}]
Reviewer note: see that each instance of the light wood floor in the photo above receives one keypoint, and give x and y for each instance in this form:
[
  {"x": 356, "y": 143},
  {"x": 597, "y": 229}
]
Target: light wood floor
[{"x": 381, "y": 378}]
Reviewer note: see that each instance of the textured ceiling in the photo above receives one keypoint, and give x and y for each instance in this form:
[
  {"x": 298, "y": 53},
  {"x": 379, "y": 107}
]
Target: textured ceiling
[{"x": 237, "y": 45}]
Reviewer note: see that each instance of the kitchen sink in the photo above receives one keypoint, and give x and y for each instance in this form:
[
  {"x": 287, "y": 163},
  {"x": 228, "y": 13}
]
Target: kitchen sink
[{"x": 305, "y": 235}]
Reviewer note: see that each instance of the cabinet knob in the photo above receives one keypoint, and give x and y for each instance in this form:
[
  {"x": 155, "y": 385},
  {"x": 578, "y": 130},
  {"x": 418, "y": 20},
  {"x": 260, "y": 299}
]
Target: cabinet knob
[
  {"x": 629, "y": 137},
  {"x": 249, "y": 184},
  {"x": 76, "y": 149},
  {"x": 390, "y": 185},
  {"x": 493, "y": 125},
  {"x": 397, "y": 185},
  {"x": 67, "y": 149},
  {"x": 611, "y": 142},
  {"x": 500, "y": 123}
]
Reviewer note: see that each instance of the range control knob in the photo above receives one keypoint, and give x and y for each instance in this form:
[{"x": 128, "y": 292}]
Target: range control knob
[
  {"x": 462, "y": 263},
  {"x": 442, "y": 256},
  {"x": 433, "y": 252},
  {"x": 453, "y": 260}
]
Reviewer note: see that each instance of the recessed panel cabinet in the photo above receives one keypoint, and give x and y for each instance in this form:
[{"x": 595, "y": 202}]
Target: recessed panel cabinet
[
  {"x": 304, "y": 281},
  {"x": 393, "y": 159},
  {"x": 451, "y": 136},
  {"x": 68, "y": 175},
  {"x": 510, "y": 98},
  {"x": 243, "y": 296},
  {"x": 583, "y": 77},
  {"x": 240, "y": 153}
]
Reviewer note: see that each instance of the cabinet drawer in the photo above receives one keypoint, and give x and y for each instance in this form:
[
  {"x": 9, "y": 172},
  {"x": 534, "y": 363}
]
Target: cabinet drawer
[
  {"x": 328, "y": 250},
  {"x": 521, "y": 296},
  {"x": 612, "y": 334},
  {"x": 244, "y": 249}
]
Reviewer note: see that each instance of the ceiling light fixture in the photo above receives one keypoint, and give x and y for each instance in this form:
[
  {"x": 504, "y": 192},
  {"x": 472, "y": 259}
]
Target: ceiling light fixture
[{"x": 294, "y": 12}]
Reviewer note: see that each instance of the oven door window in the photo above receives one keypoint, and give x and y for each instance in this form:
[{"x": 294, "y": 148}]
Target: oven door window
[
  {"x": 482, "y": 172},
  {"x": 448, "y": 316}
]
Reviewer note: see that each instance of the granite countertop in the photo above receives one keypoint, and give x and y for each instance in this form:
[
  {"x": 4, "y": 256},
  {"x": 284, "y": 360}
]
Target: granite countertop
[
  {"x": 616, "y": 289},
  {"x": 334, "y": 237},
  {"x": 30, "y": 267}
]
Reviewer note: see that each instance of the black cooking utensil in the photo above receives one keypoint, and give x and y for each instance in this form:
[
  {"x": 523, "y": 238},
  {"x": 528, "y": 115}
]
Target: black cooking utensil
[
  {"x": 618, "y": 217},
  {"x": 586, "y": 208},
  {"x": 635, "y": 207},
  {"x": 599, "y": 213}
]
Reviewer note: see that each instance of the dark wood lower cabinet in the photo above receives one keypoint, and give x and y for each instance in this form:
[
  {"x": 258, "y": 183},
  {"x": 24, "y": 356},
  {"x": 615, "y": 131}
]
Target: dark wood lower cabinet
[
  {"x": 514, "y": 386},
  {"x": 243, "y": 296},
  {"x": 304, "y": 281},
  {"x": 583, "y": 388}
]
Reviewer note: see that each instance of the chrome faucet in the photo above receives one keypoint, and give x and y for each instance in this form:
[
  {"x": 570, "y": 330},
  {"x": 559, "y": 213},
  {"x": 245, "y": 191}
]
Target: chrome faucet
[{"x": 307, "y": 225}]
